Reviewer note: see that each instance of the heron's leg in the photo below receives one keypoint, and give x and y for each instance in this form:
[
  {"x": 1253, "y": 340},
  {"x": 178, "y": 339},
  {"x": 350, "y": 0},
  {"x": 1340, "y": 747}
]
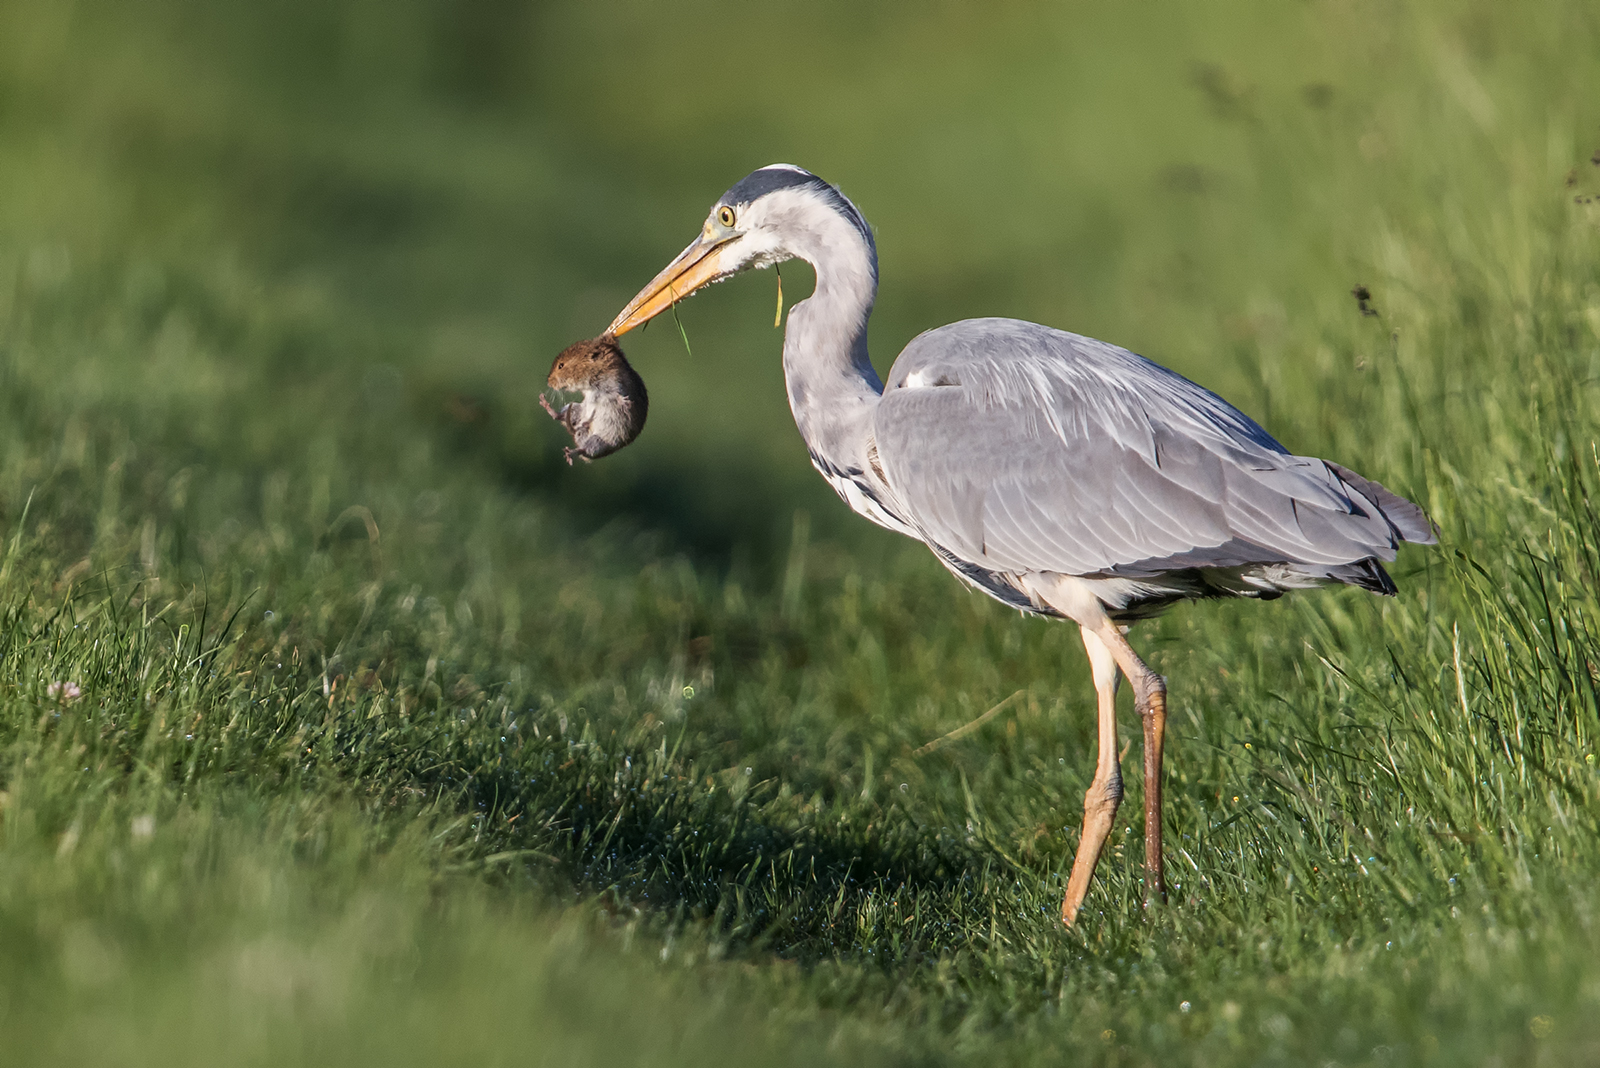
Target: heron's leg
[
  {"x": 1100, "y": 801},
  {"x": 1150, "y": 701}
]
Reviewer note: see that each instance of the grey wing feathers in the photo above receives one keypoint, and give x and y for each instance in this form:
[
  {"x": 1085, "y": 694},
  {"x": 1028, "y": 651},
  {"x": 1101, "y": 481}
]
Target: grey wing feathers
[
  {"x": 1019, "y": 448},
  {"x": 1410, "y": 521}
]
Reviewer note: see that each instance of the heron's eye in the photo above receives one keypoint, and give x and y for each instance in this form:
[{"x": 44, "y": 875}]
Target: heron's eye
[{"x": 725, "y": 216}]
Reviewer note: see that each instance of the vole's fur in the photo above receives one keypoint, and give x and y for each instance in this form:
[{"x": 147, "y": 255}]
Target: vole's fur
[{"x": 612, "y": 410}]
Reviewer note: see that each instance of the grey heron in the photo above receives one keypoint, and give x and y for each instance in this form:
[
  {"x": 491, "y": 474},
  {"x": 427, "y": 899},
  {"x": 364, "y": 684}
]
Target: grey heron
[{"x": 1060, "y": 475}]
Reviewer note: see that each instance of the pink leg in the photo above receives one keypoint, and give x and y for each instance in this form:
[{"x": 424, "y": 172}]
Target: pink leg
[
  {"x": 1100, "y": 801},
  {"x": 1150, "y": 701}
]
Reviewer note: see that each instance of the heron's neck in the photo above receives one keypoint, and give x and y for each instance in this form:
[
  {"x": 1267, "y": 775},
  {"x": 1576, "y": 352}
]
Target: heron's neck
[{"x": 832, "y": 386}]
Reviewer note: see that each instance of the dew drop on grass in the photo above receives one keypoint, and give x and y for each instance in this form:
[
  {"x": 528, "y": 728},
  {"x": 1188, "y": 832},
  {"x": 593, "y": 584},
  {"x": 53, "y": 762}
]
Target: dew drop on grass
[{"x": 1184, "y": 1006}]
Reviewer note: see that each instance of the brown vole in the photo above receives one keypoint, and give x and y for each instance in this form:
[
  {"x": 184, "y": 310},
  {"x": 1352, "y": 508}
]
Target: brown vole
[{"x": 614, "y": 404}]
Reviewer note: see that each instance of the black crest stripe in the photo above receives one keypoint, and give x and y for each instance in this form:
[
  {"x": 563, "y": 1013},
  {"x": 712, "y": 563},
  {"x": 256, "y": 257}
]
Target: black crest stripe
[{"x": 767, "y": 180}]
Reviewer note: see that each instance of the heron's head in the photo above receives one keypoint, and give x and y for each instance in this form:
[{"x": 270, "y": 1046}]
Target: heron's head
[{"x": 773, "y": 214}]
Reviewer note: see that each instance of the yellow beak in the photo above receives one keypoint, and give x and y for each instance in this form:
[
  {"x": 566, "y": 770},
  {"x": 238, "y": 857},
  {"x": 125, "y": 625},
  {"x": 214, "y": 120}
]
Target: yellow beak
[{"x": 695, "y": 266}]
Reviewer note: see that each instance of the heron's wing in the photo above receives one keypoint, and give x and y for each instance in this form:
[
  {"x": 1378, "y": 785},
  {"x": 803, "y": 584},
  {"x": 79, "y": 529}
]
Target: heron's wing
[{"x": 1019, "y": 448}]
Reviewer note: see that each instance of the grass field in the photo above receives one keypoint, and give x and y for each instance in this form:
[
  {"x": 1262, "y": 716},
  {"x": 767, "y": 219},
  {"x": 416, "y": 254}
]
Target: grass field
[{"x": 341, "y": 722}]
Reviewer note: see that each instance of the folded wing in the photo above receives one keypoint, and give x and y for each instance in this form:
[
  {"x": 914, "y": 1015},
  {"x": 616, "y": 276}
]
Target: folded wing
[{"x": 1017, "y": 448}]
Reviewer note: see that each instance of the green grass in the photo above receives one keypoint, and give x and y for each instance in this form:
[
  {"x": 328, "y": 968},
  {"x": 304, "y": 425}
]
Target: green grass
[{"x": 390, "y": 738}]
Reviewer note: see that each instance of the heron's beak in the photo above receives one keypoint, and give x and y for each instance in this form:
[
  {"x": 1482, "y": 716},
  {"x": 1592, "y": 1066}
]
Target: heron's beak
[{"x": 695, "y": 266}]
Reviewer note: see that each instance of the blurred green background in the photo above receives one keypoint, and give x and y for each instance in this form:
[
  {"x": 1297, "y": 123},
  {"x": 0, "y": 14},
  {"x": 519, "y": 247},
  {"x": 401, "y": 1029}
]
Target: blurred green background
[
  {"x": 392, "y": 738},
  {"x": 469, "y": 186}
]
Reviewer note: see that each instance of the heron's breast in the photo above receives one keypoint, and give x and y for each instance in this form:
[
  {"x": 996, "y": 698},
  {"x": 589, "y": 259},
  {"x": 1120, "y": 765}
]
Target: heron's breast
[{"x": 857, "y": 490}]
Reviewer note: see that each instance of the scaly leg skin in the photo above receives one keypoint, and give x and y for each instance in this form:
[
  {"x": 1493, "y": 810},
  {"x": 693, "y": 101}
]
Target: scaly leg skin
[
  {"x": 1154, "y": 715},
  {"x": 1150, "y": 701},
  {"x": 1100, "y": 801}
]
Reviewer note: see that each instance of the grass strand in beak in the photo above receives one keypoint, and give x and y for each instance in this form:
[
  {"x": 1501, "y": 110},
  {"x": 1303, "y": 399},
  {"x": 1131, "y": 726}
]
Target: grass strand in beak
[{"x": 681, "y": 331}]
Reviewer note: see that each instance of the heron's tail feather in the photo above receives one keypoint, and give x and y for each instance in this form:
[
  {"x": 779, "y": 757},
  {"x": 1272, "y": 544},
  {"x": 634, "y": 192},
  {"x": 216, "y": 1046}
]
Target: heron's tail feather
[{"x": 1368, "y": 574}]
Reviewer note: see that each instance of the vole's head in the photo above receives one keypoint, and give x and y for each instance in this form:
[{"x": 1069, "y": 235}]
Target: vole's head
[{"x": 586, "y": 363}]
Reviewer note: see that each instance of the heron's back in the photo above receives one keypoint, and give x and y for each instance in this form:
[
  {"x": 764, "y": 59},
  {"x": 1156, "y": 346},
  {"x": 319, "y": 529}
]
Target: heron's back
[{"x": 1013, "y": 449}]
